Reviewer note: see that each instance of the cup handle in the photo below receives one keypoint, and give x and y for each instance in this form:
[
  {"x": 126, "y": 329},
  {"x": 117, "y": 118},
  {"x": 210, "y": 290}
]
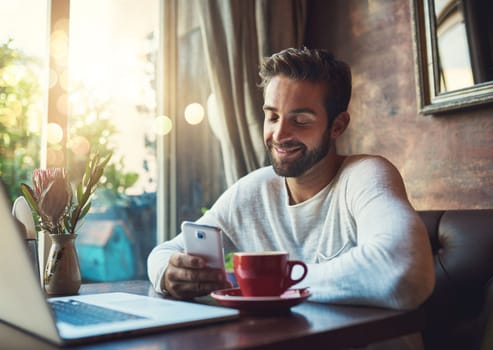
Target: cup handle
[{"x": 291, "y": 264}]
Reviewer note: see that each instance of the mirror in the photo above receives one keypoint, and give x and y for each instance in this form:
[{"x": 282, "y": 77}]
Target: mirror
[{"x": 454, "y": 47}]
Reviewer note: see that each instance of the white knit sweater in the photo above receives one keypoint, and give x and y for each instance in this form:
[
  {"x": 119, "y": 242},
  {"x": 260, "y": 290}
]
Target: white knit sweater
[{"x": 361, "y": 239}]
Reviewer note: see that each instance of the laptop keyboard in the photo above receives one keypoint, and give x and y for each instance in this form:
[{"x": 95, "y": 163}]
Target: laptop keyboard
[{"x": 82, "y": 314}]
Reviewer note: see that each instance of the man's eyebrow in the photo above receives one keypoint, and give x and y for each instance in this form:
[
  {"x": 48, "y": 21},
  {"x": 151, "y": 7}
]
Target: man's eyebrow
[
  {"x": 268, "y": 108},
  {"x": 302, "y": 111},
  {"x": 293, "y": 111}
]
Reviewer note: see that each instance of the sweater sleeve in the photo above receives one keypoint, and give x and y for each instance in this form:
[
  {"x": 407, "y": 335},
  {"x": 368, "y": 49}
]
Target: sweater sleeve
[
  {"x": 391, "y": 264},
  {"x": 158, "y": 259}
]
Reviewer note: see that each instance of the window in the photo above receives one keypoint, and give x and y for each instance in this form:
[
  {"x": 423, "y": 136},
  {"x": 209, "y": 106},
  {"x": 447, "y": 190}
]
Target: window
[
  {"x": 112, "y": 62},
  {"x": 103, "y": 93}
]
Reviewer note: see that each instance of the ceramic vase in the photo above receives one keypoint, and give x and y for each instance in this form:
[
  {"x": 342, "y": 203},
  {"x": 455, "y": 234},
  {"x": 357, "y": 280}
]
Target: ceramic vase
[
  {"x": 44, "y": 245},
  {"x": 62, "y": 272}
]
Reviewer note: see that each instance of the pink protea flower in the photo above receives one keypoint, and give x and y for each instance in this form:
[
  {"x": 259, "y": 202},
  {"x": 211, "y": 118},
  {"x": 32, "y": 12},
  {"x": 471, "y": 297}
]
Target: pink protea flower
[
  {"x": 52, "y": 199},
  {"x": 53, "y": 193}
]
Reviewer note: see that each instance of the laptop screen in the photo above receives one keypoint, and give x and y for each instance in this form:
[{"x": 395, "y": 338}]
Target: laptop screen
[{"x": 22, "y": 301}]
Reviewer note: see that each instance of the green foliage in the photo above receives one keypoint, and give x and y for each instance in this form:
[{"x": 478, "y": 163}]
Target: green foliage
[
  {"x": 86, "y": 188},
  {"x": 228, "y": 262},
  {"x": 117, "y": 179},
  {"x": 19, "y": 95},
  {"x": 203, "y": 210},
  {"x": 28, "y": 193}
]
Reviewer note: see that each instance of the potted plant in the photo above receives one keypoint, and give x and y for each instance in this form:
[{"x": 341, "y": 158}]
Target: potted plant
[{"x": 60, "y": 210}]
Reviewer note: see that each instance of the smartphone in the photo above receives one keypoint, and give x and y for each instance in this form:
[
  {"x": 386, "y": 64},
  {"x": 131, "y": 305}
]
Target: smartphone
[{"x": 204, "y": 241}]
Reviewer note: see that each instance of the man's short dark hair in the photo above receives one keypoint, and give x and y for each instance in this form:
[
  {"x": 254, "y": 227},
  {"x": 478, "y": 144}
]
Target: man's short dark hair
[{"x": 314, "y": 65}]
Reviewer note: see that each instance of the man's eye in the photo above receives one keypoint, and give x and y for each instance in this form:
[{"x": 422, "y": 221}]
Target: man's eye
[{"x": 303, "y": 119}]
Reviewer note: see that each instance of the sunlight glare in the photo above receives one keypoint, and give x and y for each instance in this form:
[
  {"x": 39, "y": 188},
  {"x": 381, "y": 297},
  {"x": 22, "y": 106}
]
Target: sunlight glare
[
  {"x": 77, "y": 105},
  {"x": 91, "y": 118},
  {"x": 94, "y": 78},
  {"x": 130, "y": 83},
  {"x": 194, "y": 113},
  {"x": 34, "y": 113}
]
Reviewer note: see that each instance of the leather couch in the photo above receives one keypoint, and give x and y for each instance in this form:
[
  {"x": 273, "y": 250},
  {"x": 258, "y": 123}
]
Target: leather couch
[{"x": 459, "y": 313}]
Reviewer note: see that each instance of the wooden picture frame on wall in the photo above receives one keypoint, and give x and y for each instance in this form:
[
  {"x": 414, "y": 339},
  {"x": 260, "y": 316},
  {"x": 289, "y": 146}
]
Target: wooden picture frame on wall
[{"x": 443, "y": 86}]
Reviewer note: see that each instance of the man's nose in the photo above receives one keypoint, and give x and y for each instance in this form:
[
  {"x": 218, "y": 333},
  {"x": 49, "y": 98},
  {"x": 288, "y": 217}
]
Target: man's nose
[{"x": 282, "y": 131}]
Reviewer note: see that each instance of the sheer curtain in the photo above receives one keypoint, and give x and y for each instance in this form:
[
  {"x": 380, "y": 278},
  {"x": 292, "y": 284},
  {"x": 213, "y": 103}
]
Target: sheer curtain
[{"x": 236, "y": 35}]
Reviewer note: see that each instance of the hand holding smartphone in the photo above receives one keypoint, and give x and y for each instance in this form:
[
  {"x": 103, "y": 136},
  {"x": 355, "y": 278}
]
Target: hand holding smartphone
[{"x": 204, "y": 241}]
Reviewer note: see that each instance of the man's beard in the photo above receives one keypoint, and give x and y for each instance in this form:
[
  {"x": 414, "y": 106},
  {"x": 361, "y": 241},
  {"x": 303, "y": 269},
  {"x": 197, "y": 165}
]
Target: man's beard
[{"x": 297, "y": 167}]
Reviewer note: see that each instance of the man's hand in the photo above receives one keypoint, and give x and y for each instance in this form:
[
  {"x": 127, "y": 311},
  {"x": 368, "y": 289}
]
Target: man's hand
[{"x": 187, "y": 277}]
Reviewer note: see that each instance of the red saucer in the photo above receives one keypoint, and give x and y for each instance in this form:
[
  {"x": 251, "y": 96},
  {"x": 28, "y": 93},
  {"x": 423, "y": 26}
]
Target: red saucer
[{"x": 232, "y": 298}]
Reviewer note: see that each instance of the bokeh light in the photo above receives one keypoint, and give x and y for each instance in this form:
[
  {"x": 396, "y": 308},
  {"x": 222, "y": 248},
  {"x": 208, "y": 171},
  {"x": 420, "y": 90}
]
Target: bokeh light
[
  {"x": 54, "y": 133},
  {"x": 194, "y": 113},
  {"x": 12, "y": 74},
  {"x": 80, "y": 145},
  {"x": 59, "y": 45},
  {"x": 162, "y": 125},
  {"x": 55, "y": 157},
  {"x": 62, "y": 103}
]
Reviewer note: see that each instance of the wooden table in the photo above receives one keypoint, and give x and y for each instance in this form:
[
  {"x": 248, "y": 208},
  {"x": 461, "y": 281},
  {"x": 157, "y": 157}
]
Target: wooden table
[{"x": 308, "y": 326}]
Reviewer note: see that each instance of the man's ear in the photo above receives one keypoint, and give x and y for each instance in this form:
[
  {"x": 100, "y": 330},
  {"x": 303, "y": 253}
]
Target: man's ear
[{"x": 339, "y": 124}]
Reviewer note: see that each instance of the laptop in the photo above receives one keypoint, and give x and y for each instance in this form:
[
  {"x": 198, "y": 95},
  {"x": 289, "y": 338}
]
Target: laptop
[{"x": 24, "y": 304}]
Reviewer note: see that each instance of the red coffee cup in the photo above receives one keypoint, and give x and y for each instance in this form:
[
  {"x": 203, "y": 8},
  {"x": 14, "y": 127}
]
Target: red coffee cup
[{"x": 265, "y": 273}]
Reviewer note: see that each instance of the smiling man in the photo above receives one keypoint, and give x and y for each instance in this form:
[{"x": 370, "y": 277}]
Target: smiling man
[
  {"x": 347, "y": 217},
  {"x": 299, "y": 135}
]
